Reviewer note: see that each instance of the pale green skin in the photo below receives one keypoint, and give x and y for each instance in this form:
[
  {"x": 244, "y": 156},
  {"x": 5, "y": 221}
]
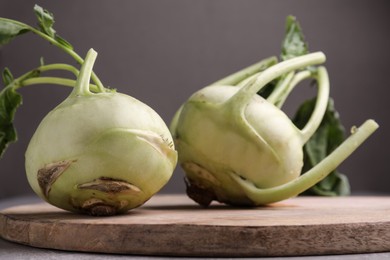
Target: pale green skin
[
  {"x": 207, "y": 139},
  {"x": 102, "y": 135},
  {"x": 238, "y": 148}
]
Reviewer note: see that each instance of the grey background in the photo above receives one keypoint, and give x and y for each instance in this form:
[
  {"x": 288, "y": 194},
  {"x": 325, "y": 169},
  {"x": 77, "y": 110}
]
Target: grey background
[{"x": 162, "y": 51}]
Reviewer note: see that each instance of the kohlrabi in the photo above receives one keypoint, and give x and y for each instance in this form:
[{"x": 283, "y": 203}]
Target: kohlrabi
[
  {"x": 99, "y": 152},
  {"x": 238, "y": 147}
]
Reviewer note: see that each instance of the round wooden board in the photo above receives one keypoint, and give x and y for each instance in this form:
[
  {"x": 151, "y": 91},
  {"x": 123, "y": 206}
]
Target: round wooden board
[{"x": 174, "y": 225}]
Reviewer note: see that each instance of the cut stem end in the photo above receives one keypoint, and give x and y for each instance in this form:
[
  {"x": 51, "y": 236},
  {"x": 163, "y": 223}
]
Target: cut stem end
[{"x": 82, "y": 84}]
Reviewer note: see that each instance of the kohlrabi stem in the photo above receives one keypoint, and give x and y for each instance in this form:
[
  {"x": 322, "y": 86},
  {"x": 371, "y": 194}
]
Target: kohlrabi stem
[
  {"x": 33, "y": 74},
  {"x": 278, "y": 97},
  {"x": 72, "y": 54},
  {"x": 281, "y": 97},
  {"x": 246, "y": 81},
  {"x": 245, "y": 94},
  {"x": 82, "y": 83},
  {"x": 281, "y": 88},
  {"x": 281, "y": 92},
  {"x": 33, "y": 77},
  {"x": 320, "y": 107},
  {"x": 59, "y": 66},
  {"x": 238, "y": 76},
  {"x": 314, "y": 175},
  {"x": 69, "y": 51},
  {"x": 55, "y": 81}
]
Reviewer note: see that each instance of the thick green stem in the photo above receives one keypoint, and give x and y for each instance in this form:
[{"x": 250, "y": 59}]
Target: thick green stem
[
  {"x": 245, "y": 94},
  {"x": 239, "y": 76},
  {"x": 311, "y": 177},
  {"x": 82, "y": 84}
]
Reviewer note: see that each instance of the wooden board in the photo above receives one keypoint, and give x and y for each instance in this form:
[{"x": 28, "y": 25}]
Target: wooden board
[{"x": 174, "y": 225}]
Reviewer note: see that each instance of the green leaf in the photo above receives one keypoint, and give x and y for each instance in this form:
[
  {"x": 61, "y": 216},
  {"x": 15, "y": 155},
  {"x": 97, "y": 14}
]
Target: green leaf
[
  {"x": 328, "y": 137},
  {"x": 7, "y": 77},
  {"x": 10, "y": 29},
  {"x": 294, "y": 44},
  {"x": 46, "y": 22},
  {"x": 10, "y": 100}
]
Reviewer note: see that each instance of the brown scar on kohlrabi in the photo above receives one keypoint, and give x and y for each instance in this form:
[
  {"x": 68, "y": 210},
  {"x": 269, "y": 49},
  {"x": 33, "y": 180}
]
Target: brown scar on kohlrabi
[
  {"x": 109, "y": 185},
  {"x": 99, "y": 207},
  {"x": 49, "y": 174}
]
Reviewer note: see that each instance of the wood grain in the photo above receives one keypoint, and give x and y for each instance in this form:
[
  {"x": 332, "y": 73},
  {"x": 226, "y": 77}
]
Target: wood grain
[{"x": 174, "y": 225}]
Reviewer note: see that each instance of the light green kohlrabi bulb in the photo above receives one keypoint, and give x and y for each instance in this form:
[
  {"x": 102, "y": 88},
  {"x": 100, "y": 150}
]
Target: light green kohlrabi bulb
[{"x": 99, "y": 153}]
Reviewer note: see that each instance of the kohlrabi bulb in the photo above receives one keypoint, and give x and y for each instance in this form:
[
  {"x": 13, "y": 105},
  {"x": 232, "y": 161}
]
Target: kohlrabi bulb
[
  {"x": 239, "y": 148},
  {"x": 99, "y": 153},
  {"x": 263, "y": 146}
]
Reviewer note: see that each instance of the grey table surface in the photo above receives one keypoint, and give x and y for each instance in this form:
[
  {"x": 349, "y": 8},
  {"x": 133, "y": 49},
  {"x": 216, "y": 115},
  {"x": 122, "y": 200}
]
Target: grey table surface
[{"x": 14, "y": 251}]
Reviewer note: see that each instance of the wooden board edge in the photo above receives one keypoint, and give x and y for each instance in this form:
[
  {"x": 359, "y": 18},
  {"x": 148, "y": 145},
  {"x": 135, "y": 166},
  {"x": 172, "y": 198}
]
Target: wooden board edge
[{"x": 218, "y": 241}]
